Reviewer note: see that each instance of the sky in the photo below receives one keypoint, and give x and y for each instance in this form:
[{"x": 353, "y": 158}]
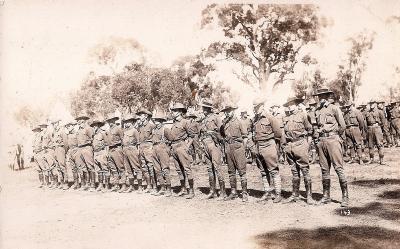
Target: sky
[{"x": 44, "y": 45}]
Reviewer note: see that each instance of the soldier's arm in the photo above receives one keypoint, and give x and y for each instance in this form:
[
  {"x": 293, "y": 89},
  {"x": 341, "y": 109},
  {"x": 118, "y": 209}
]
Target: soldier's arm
[
  {"x": 339, "y": 118},
  {"x": 307, "y": 124},
  {"x": 361, "y": 121},
  {"x": 276, "y": 126}
]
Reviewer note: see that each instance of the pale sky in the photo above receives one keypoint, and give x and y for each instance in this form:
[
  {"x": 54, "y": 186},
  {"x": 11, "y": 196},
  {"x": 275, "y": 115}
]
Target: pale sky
[{"x": 44, "y": 44}]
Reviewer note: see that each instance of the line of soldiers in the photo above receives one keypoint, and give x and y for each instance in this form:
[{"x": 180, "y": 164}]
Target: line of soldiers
[{"x": 108, "y": 154}]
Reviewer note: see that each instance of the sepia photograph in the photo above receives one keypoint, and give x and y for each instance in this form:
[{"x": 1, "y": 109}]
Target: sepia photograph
[{"x": 204, "y": 124}]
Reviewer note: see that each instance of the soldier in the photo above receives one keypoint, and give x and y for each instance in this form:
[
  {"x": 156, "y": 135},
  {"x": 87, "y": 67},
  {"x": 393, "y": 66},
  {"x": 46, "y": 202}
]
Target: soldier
[
  {"x": 312, "y": 119},
  {"x": 212, "y": 141},
  {"x": 100, "y": 154},
  {"x": 355, "y": 128},
  {"x": 115, "y": 154},
  {"x": 375, "y": 121},
  {"x": 194, "y": 130},
  {"x": 73, "y": 157},
  {"x": 247, "y": 123},
  {"x": 180, "y": 143},
  {"x": 363, "y": 109},
  {"x": 48, "y": 156},
  {"x": 59, "y": 141},
  {"x": 235, "y": 137},
  {"x": 146, "y": 149},
  {"x": 385, "y": 124},
  {"x": 279, "y": 117},
  {"x": 130, "y": 144},
  {"x": 84, "y": 137},
  {"x": 295, "y": 141},
  {"x": 265, "y": 129},
  {"x": 394, "y": 119},
  {"x": 331, "y": 126},
  {"x": 37, "y": 157},
  {"x": 161, "y": 157}
]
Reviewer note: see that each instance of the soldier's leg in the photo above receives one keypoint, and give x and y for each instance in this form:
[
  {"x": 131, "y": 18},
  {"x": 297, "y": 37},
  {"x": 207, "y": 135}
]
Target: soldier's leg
[
  {"x": 186, "y": 161},
  {"x": 325, "y": 164},
  {"x": 371, "y": 143},
  {"x": 240, "y": 162},
  {"x": 211, "y": 173},
  {"x": 157, "y": 174},
  {"x": 114, "y": 172},
  {"x": 269, "y": 154},
  {"x": 216, "y": 161},
  {"x": 165, "y": 162},
  {"x": 292, "y": 158},
  {"x": 357, "y": 143},
  {"x": 88, "y": 157},
  {"x": 61, "y": 159},
  {"x": 265, "y": 177},
  {"x": 301, "y": 151},
  {"x": 231, "y": 172},
  {"x": 38, "y": 162},
  {"x": 133, "y": 159},
  {"x": 335, "y": 151},
  {"x": 379, "y": 143}
]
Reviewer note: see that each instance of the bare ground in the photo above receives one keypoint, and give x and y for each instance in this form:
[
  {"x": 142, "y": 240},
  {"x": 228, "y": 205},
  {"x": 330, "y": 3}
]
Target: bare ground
[{"x": 37, "y": 218}]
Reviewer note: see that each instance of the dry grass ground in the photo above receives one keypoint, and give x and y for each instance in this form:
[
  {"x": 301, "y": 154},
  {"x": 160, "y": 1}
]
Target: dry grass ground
[{"x": 37, "y": 218}]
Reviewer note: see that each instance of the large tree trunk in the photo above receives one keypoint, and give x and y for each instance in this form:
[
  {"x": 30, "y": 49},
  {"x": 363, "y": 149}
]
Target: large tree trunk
[{"x": 263, "y": 72}]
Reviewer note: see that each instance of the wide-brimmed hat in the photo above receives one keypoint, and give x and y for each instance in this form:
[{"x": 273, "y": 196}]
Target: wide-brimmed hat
[
  {"x": 56, "y": 121},
  {"x": 229, "y": 107},
  {"x": 179, "y": 106},
  {"x": 206, "y": 103},
  {"x": 160, "y": 115},
  {"x": 81, "y": 116},
  {"x": 111, "y": 117},
  {"x": 257, "y": 102},
  {"x": 70, "y": 122},
  {"x": 129, "y": 117},
  {"x": 192, "y": 114},
  {"x": 97, "y": 121},
  {"x": 293, "y": 100},
  {"x": 36, "y": 128},
  {"x": 312, "y": 102},
  {"x": 322, "y": 91},
  {"x": 372, "y": 102},
  {"x": 145, "y": 111},
  {"x": 43, "y": 125}
]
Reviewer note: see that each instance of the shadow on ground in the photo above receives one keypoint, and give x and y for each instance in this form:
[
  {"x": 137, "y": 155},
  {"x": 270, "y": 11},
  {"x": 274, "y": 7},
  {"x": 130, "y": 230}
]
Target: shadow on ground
[
  {"x": 362, "y": 237},
  {"x": 376, "y": 183}
]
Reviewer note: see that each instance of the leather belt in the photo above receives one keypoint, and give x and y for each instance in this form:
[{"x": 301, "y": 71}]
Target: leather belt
[
  {"x": 328, "y": 134},
  {"x": 114, "y": 146},
  {"x": 84, "y": 145},
  {"x": 265, "y": 140},
  {"x": 296, "y": 139},
  {"x": 234, "y": 140}
]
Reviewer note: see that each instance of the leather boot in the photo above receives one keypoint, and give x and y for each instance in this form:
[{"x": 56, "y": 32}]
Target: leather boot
[
  {"x": 76, "y": 181},
  {"x": 92, "y": 179},
  {"x": 85, "y": 181},
  {"x": 60, "y": 182},
  {"x": 41, "y": 180},
  {"x": 381, "y": 160},
  {"x": 100, "y": 186},
  {"x": 278, "y": 188},
  {"x": 191, "y": 189},
  {"x": 183, "y": 190},
  {"x": 222, "y": 193},
  {"x": 212, "y": 193},
  {"x": 46, "y": 181},
  {"x": 295, "y": 192},
  {"x": 245, "y": 194},
  {"x": 123, "y": 188},
  {"x": 131, "y": 185},
  {"x": 233, "y": 195},
  {"x": 140, "y": 186},
  {"x": 53, "y": 181},
  {"x": 307, "y": 183},
  {"x": 168, "y": 192},
  {"x": 326, "y": 187},
  {"x": 65, "y": 184},
  {"x": 345, "y": 194},
  {"x": 351, "y": 161},
  {"x": 106, "y": 184}
]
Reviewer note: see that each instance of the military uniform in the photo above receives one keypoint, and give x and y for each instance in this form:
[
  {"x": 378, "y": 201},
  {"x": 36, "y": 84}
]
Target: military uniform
[
  {"x": 375, "y": 120},
  {"x": 330, "y": 126},
  {"x": 193, "y": 133},
  {"x": 116, "y": 156},
  {"x": 355, "y": 127},
  {"x": 85, "y": 150},
  {"x": 394, "y": 120},
  {"x": 180, "y": 145},
  {"x": 296, "y": 130},
  {"x": 130, "y": 144},
  {"x": 37, "y": 155},
  {"x": 101, "y": 158},
  {"x": 385, "y": 125},
  {"x": 312, "y": 119},
  {"x": 59, "y": 155},
  {"x": 161, "y": 160},
  {"x": 73, "y": 158},
  {"x": 265, "y": 130},
  {"x": 234, "y": 134},
  {"x": 211, "y": 140},
  {"x": 146, "y": 154},
  {"x": 48, "y": 156}
]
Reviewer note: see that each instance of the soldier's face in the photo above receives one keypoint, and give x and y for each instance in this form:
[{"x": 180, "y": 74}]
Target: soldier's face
[{"x": 128, "y": 125}]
